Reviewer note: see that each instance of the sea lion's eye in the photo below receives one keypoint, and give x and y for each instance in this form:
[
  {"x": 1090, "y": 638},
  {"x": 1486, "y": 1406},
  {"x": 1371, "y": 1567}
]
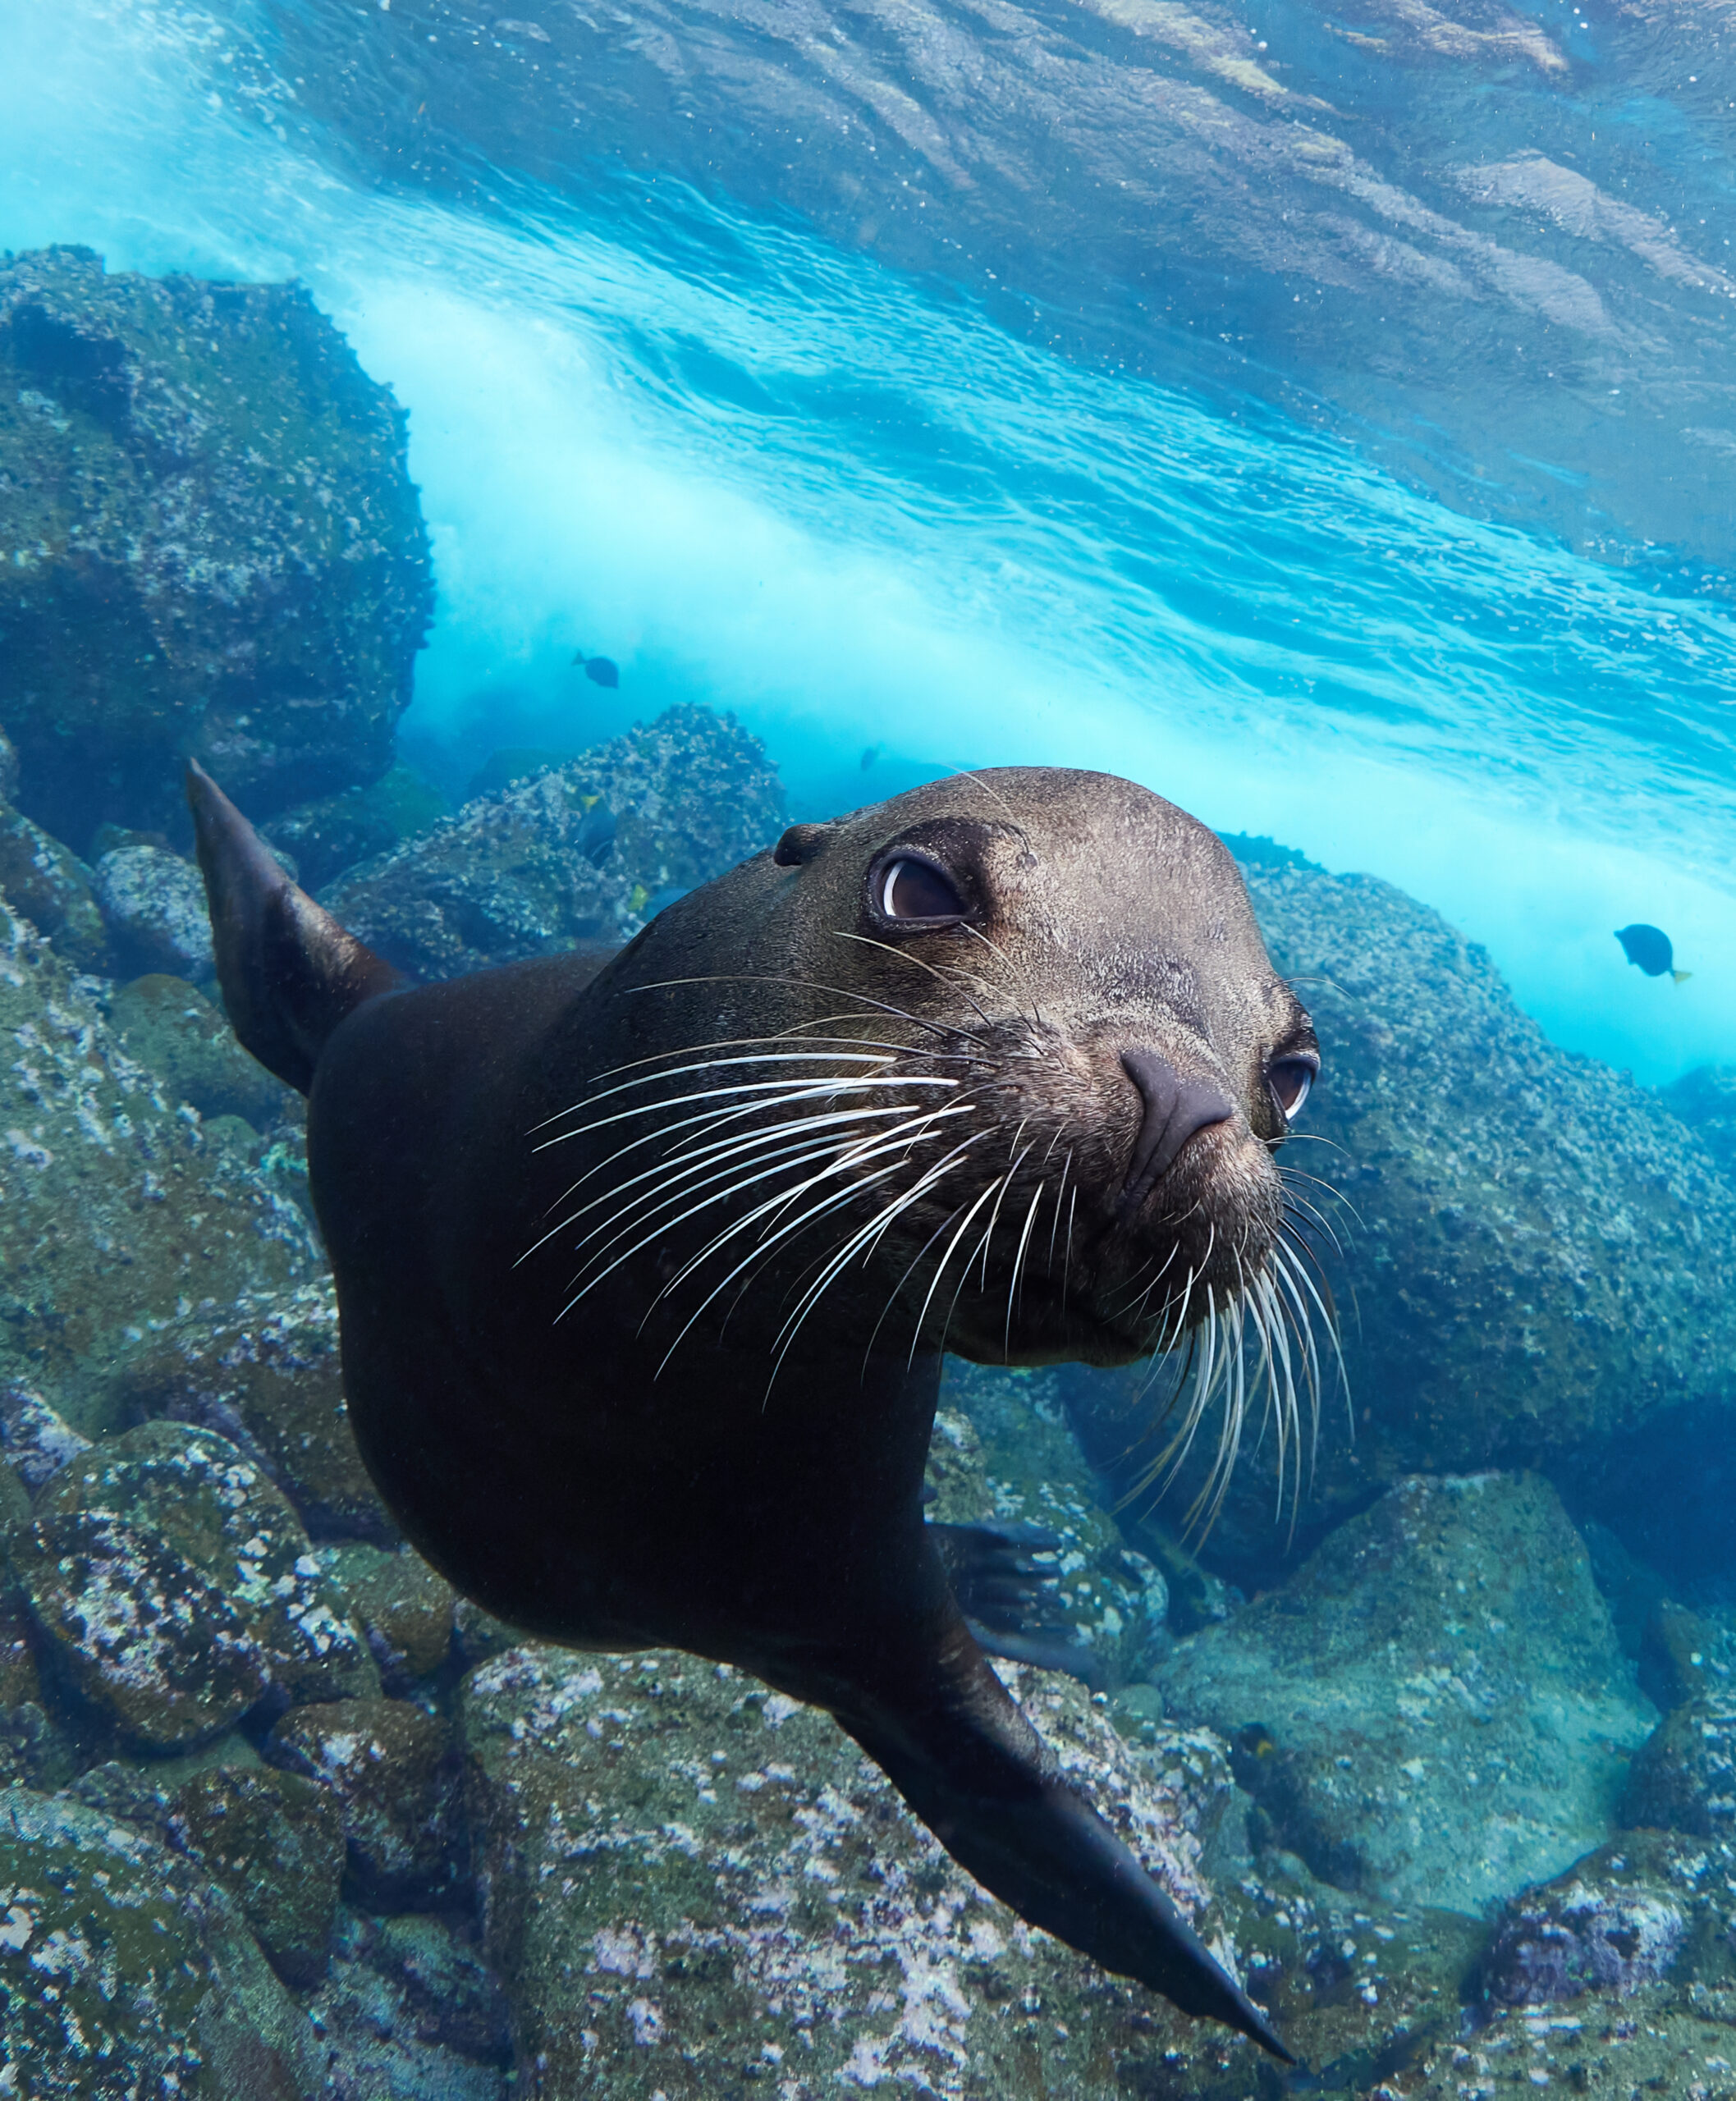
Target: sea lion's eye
[
  {"x": 1289, "y": 1079},
  {"x": 916, "y": 889}
]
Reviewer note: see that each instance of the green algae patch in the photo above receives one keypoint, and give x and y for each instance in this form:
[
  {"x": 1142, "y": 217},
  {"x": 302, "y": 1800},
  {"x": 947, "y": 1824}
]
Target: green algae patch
[{"x": 123, "y": 1975}]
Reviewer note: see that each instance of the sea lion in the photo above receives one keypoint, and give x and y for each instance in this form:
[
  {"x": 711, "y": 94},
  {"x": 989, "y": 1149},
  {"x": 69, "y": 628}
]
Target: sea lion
[{"x": 644, "y": 1271}]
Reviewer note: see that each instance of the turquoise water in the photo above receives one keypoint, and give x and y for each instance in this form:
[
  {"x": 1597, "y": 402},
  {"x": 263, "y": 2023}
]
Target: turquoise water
[{"x": 868, "y": 507}]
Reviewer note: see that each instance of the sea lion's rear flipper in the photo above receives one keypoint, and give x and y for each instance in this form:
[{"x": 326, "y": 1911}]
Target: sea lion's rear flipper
[
  {"x": 978, "y": 1775},
  {"x": 289, "y": 973}
]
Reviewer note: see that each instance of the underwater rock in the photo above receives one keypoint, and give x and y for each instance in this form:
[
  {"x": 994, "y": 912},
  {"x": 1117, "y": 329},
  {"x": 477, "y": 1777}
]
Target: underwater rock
[
  {"x": 1434, "y": 1708},
  {"x": 212, "y": 544},
  {"x": 325, "y": 837},
  {"x": 1705, "y": 1099},
  {"x": 49, "y": 887},
  {"x": 583, "y": 852},
  {"x": 267, "y": 1377},
  {"x": 176, "y": 1583},
  {"x": 1684, "y": 1778},
  {"x": 118, "y": 1212},
  {"x": 1613, "y": 1923},
  {"x": 124, "y": 1972},
  {"x": 36, "y": 1440},
  {"x": 168, "y": 1024},
  {"x": 1535, "y": 1248},
  {"x": 388, "y": 1764},
  {"x": 688, "y": 1882},
  {"x": 404, "y": 1606},
  {"x": 409, "y": 2013},
  {"x": 140, "y": 1631},
  {"x": 275, "y": 1842},
  {"x": 272, "y": 1840},
  {"x": 154, "y": 904}
]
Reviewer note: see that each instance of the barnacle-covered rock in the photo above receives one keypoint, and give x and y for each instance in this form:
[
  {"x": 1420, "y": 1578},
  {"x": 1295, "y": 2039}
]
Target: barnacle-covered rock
[
  {"x": 1616, "y": 1921},
  {"x": 1705, "y": 1099},
  {"x": 688, "y": 1882},
  {"x": 211, "y": 545},
  {"x": 272, "y": 1840},
  {"x": 176, "y": 1583},
  {"x": 117, "y": 1211},
  {"x": 1684, "y": 1778},
  {"x": 404, "y": 1606},
  {"x": 387, "y": 1763},
  {"x": 123, "y": 1971},
  {"x": 267, "y": 1377},
  {"x": 37, "y": 1439},
  {"x": 51, "y": 888},
  {"x": 153, "y": 905},
  {"x": 1434, "y": 1708},
  {"x": 583, "y": 852}
]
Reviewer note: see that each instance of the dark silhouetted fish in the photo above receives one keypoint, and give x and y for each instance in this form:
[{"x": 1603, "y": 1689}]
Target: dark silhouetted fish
[
  {"x": 601, "y": 671},
  {"x": 869, "y": 755},
  {"x": 1650, "y": 948}
]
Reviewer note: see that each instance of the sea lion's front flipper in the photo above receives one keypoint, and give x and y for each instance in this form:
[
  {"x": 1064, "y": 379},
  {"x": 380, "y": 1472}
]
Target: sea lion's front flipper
[
  {"x": 289, "y": 973},
  {"x": 979, "y": 1776}
]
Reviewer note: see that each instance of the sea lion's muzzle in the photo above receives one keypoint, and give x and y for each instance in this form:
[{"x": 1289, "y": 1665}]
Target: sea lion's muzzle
[{"x": 1176, "y": 1108}]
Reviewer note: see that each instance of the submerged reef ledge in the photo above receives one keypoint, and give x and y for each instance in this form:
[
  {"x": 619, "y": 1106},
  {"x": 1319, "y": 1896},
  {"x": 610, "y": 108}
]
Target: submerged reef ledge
[{"x": 209, "y": 544}]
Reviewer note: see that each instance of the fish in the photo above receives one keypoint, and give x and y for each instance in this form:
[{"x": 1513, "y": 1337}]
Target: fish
[
  {"x": 601, "y": 671},
  {"x": 869, "y": 755},
  {"x": 1650, "y": 948}
]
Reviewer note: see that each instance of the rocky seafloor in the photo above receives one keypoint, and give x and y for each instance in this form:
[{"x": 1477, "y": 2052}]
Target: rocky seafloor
[{"x": 1448, "y": 1776}]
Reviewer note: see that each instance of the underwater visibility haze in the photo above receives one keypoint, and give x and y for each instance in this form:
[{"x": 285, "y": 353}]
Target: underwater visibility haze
[{"x": 501, "y": 1555}]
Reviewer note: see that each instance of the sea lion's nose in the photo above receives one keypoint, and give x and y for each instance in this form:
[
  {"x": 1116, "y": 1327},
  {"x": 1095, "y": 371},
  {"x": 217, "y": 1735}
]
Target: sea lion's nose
[{"x": 1176, "y": 1108}]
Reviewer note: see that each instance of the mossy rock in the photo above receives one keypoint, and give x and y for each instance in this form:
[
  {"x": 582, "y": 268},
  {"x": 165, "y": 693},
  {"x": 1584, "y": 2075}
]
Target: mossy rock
[
  {"x": 168, "y": 1024},
  {"x": 176, "y": 1584},
  {"x": 211, "y": 545},
  {"x": 268, "y": 1379},
  {"x": 51, "y": 887},
  {"x": 118, "y": 1213},
  {"x": 124, "y": 1973}
]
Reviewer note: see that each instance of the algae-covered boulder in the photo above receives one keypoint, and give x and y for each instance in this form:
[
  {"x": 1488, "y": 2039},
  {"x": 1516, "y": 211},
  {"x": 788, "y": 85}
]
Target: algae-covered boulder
[
  {"x": 124, "y": 1972},
  {"x": 175, "y": 1584},
  {"x": 406, "y": 1609},
  {"x": 583, "y": 852},
  {"x": 1705, "y": 1099},
  {"x": 210, "y": 545},
  {"x": 1535, "y": 1271},
  {"x": 1684, "y": 1779},
  {"x": 118, "y": 1212},
  {"x": 154, "y": 904},
  {"x": 272, "y": 1840},
  {"x": 688, "y": 1883},
  {"x": 387, "y": 1765},
  {"x": 266, "y": 1377},
  {"x": 1434, "y": 1707},
  {"x": 52, "y": 889},
  {"x": 325, "y": 837},
  {"x": 407, "y": 2012},
  {"x": 168, "y": 1024}
]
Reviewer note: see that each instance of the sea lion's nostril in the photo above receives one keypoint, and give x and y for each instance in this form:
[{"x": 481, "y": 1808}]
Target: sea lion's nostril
[{"x": 1176, "y": 1108}]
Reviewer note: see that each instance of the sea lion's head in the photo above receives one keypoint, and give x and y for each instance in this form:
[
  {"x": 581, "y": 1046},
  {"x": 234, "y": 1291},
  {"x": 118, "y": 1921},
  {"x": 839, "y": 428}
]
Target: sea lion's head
[{"x": 1000, "y": 1064}]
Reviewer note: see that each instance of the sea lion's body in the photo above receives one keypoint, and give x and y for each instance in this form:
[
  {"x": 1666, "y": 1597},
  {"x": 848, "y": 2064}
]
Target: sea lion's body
[{"x": 603, "y": 1352}]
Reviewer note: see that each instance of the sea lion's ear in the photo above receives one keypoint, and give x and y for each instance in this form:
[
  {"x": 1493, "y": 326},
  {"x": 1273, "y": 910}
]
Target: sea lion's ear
[
  {"x": 289, "y": 973},
  {"x": 799, "y": 845}
]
